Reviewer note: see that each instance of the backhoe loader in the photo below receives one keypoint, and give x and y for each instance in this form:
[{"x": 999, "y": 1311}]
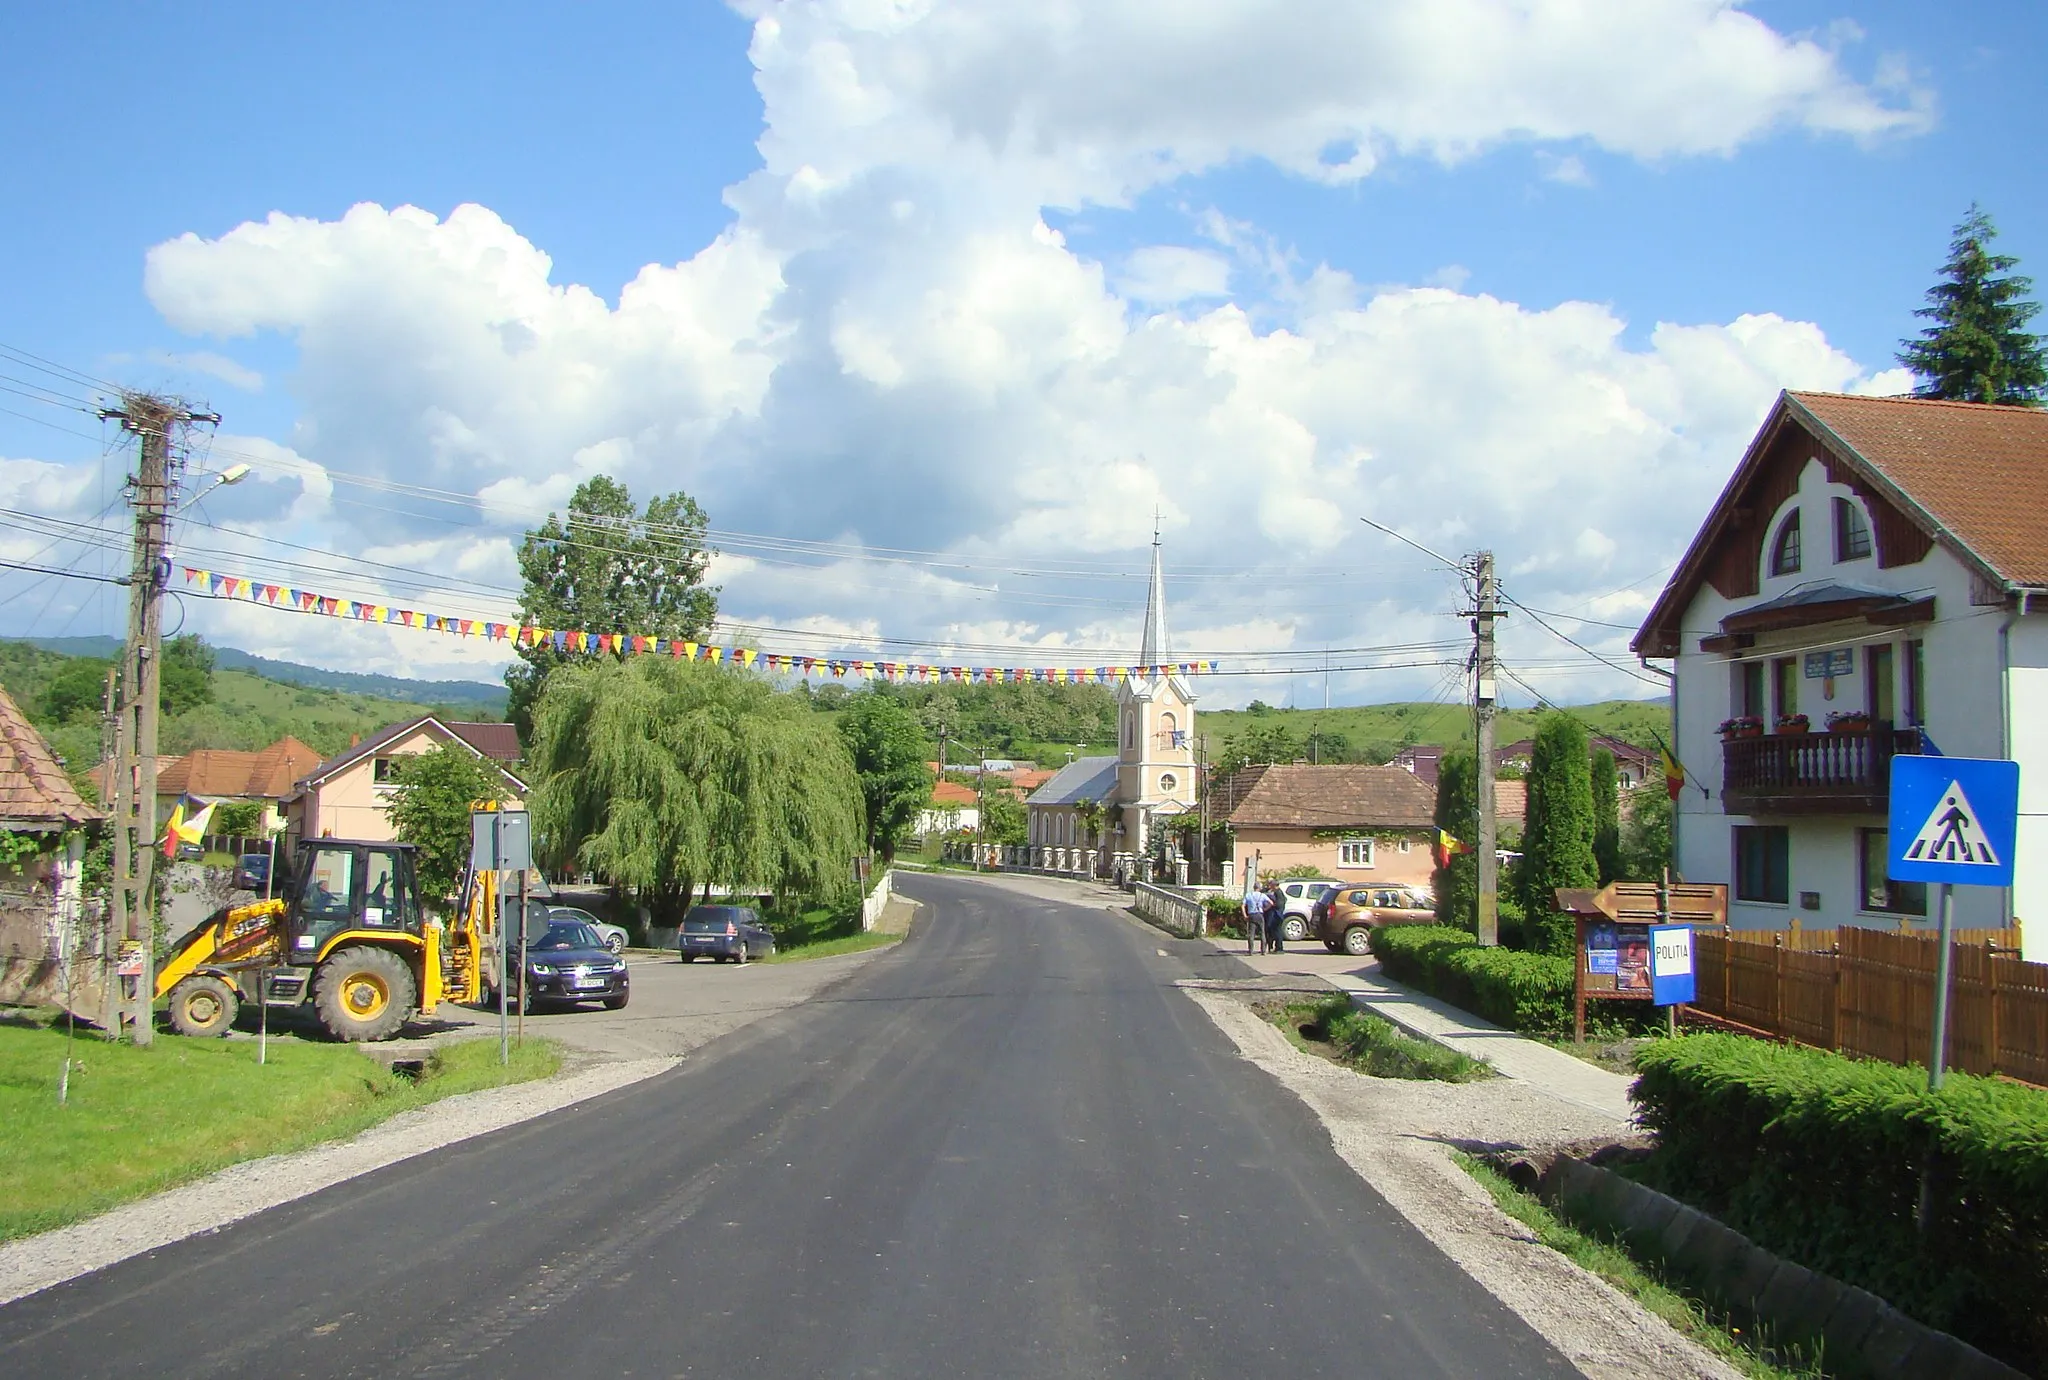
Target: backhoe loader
[{"x": 348, "y": 937}]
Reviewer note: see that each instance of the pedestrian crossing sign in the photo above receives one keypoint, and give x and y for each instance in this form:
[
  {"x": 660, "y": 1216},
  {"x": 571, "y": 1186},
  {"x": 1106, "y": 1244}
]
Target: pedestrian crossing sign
[{"x": 1953, "y": 819}]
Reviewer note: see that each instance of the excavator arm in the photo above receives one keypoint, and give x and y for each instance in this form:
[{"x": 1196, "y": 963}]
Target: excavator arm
[{"x": 235, "y": 936}]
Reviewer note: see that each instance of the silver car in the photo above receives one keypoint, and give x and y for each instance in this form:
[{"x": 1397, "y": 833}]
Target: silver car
[{"x": 614, "y": 936}]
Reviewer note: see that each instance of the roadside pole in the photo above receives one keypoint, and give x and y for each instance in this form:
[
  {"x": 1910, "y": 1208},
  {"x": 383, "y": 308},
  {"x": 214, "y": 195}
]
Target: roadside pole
[
  {"x": 504, "y": 979},
  {"x": 1483, "y": 693},
  {"x": 522, "y": 957},
  {"x": 1937, "y": 1057}
]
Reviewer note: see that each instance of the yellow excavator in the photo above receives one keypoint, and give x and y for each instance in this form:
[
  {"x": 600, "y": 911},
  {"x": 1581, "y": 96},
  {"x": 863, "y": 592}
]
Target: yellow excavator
[{"x": 348, "y": 937}]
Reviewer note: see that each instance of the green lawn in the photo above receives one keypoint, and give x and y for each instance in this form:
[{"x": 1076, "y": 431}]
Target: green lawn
[
  {"x": 822, "y": 933},
  {"x": 138, "y": 1121}
]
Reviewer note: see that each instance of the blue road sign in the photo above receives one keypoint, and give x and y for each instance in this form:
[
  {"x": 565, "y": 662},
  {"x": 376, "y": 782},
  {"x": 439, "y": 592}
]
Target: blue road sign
[
  {"x": 1954, "y": 819},
  {"x": 1671, "y": 973}
]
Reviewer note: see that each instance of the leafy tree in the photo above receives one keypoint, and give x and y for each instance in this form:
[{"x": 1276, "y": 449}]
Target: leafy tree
[
  {"x": 1003, "y": 817},
  {"x": 241, "y": 818},
  {"x": 1978, "y": 348},
  {"x": 661, "y": 774},
  {"x": 1266, "y": 743},
  {"x": 186, "y": 678},
  {"x": 1457, "y": 812},
  {"x": 1606, "y": 816},
  {"x": 430, "y": 808},
  {"x": 1557, "y": 836},
  {"x": 77, "y": 693},
  {"x": 1646, "y": 838},
  {"x": 888, "y": 751},
  {"x": 609, "y": 568},
  {"x": 1327, "y": 748}
]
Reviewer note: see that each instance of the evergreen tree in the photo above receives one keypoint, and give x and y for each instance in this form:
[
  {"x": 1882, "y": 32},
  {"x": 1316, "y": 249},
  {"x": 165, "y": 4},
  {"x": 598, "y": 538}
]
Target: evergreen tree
[
  {"x": 609, "y": 569},
  {"x": 888, "y": 751},
  {"x": 1978, "y": 348},
  {"x": 1646, "y": 844},
  {"x": 1457, "y": 813},
  {"x": 1557, "y": 838},
  {"x": 1606, "y": 816}
]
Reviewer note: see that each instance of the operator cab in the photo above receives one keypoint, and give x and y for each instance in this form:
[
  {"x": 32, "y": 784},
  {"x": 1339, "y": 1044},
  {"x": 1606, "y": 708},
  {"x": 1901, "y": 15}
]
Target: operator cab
[{"x": 348, "y": 885}]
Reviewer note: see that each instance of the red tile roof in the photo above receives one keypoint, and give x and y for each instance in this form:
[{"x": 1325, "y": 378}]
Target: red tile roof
[
  {"x": 499, "y": 742},
  {"x": 952, "y": 793},
  {"x": 224, "y": 774},
  {"x": 1332, "y": 797},
  {"x": 34, "y": 791}
]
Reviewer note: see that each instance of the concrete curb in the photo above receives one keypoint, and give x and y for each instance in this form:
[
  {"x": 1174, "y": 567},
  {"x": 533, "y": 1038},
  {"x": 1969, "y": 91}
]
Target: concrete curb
[{"x": 1862, "y": 1334}]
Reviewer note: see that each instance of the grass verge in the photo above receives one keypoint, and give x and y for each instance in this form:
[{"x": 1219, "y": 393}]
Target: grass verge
[
  {"x": 1332, "y": 1027},
  {"x": 1748, "y": 1352},
  {"x": 138, "y": 1121},
  {"x": 822, "y": 933}
]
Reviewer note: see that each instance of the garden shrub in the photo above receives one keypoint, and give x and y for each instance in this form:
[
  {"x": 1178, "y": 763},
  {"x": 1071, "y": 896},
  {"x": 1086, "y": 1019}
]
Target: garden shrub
[
  {"x": 1820, "y": 1158},
  {"x": 1522, "y": 991}
]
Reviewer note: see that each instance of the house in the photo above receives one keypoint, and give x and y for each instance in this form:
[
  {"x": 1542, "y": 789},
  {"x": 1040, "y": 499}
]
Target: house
[
  {"x": 1874, "y": 562},
  {"x": 953, "y": 806},
  {"x": 1423, "y": 761},
  {"x": 345, "y": 796},
  {"x": 1152, "y": 777},
  {"x": 221, "y": 775},
  {"x": 42, "y": 895},
  {"x": 1354, "y": 823},
  {"x": 1632, "y": 765}
]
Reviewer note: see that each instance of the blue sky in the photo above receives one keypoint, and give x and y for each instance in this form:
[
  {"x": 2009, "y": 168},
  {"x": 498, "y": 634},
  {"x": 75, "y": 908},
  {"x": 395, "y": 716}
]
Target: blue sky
[{"x": 613, "y": 137}]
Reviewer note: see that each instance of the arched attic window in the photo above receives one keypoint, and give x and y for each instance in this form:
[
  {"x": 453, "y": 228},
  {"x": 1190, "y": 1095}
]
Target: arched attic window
[
  {"x": 1785, "y": 549},
  {"x": 1852, "y": 533}
]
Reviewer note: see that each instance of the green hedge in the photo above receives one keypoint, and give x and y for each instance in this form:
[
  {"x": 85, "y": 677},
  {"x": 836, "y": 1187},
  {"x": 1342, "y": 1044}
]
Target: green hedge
[
  {"x": 1820, "y": 1158},
  {"x": 1522, "y": 991}
]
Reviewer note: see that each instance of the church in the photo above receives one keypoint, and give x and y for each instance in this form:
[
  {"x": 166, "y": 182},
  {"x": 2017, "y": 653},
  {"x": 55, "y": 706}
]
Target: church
[{"x": 1120, "y": 805}]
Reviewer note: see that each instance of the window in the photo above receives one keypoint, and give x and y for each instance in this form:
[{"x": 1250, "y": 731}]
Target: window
[
  {"x": 1882, "y": 696},
  {"x": 1785, "y": 685},
  {"x": 1852, "y": 533},
  {"x": 384, "y": 771},
  {"x": 1749, "y": 688},
  {"x": 1763, "y": 864},
  {"x": 1916, "y": 682},
  {"x": 1168, "y": 781},
  {"x": 1878, "y": 890},
  {"x": 1354, "y": 853},
  {"x": 1785, "y": 550}
]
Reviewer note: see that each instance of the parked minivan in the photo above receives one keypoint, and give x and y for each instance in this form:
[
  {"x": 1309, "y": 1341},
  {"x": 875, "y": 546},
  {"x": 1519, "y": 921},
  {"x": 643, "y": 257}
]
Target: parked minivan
[{"x": 730, "y": 934}]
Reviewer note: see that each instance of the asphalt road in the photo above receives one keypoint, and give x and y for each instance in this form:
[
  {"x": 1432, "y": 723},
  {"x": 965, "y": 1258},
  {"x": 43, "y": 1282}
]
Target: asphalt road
[{"x": 1006, "y": 1148}]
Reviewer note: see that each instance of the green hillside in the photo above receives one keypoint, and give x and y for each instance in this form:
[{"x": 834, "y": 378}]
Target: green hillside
[{"x": 1375, "y": 732}]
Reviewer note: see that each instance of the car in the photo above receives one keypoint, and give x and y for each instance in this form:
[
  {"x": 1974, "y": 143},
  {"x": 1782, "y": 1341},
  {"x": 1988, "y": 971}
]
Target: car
[
  {"x": 252, "y": 871},
  {"x": 1298, "y": 897},
  {"x": 1346, "y": 924},
  {"x": 614, "y": 936},
  {"x": 730, "y": 934},
  {"x": 570, "y": 964}
]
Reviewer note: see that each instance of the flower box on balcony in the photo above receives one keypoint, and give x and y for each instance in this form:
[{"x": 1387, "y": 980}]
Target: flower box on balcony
[
  {"x": 1741, "y": 726},
  {"x": 1849, "y": 723},
  {"x": 1793, "y": 723}
]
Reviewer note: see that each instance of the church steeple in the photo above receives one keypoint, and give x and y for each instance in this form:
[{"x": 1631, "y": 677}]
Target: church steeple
[{"x": 1155, "y": 649}]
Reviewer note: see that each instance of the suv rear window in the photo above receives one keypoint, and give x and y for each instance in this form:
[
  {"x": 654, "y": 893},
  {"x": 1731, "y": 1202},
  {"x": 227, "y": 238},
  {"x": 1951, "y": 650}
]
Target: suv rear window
[{"x": 712, "y": 919}]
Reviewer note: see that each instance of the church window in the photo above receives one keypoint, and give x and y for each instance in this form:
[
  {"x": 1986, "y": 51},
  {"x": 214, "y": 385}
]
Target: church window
[
  {"x": 1354, "y": 853},
  {"x": 1168, "y": 781},
  {"x": 1785, "y": 550}
]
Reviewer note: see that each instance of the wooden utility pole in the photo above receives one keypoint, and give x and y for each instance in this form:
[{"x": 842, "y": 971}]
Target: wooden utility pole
[
  {"x": 154, "y": 490},
  {"x": 1484, "y": 690}
]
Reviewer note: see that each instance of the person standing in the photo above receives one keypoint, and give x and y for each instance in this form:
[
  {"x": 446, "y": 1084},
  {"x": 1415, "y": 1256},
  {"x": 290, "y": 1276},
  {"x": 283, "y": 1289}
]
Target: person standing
[
  {"x": 1276, "y": 915},
  {"x": 1255, "y": 904}
]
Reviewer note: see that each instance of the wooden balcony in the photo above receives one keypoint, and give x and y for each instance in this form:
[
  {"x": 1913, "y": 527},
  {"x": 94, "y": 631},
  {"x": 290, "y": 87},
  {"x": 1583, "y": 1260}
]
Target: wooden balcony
[{"x": 1813, "y": 773}]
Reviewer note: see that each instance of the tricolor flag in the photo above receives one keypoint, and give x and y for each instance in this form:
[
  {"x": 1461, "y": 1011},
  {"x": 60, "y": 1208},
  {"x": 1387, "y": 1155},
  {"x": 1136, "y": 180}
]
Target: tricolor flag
[{"x": 1448, "y": 846}]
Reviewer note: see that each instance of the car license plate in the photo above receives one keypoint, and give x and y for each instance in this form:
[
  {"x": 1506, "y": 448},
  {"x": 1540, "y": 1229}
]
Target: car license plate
[{"x": 590, "y": 982}]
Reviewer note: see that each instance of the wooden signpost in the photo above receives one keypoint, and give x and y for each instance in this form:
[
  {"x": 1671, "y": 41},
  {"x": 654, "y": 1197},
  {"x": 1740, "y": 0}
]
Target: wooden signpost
[{"x": 1612, "y": 959}]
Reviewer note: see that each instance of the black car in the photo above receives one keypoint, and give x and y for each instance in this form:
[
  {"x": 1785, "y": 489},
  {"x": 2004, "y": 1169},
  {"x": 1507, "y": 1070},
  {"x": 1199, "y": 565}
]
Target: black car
[
  {"x": 252, "y": 871},
  {"x": 571, "y": 964},
  {"x": 730, "y": 934}
]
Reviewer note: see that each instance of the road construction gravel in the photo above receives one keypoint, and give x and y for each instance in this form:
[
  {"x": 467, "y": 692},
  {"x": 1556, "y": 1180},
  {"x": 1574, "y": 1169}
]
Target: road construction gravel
[{"x": 1398, "y": 1135}]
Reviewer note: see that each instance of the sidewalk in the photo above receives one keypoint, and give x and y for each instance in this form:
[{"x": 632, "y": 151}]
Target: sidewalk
[{"x": 1512, "y": 1056}]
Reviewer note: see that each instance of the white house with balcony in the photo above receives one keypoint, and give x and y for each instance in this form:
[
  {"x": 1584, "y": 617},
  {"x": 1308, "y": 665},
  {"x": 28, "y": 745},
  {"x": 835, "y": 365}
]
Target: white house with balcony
[{"x": 1869, "y": 583}]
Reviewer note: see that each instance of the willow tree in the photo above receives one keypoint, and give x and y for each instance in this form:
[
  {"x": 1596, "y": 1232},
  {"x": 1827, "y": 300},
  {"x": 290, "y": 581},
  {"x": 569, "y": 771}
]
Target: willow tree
[{"x": 666, "y": 775}]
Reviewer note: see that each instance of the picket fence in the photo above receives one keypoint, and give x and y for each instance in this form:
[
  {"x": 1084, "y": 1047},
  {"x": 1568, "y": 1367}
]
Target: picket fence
[{"x": 1871, "y": 993}]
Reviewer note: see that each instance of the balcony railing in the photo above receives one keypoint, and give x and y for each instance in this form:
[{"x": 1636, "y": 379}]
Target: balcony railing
[{"x": 1843, "y": 772}]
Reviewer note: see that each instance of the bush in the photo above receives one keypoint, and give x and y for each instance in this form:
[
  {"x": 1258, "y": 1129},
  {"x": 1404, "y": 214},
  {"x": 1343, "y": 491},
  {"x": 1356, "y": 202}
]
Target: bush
[
  {"x": 1372, "y": 1045},
  {"x": 1522, "y": 991},
  {"x": 1820, "y": 1158}
]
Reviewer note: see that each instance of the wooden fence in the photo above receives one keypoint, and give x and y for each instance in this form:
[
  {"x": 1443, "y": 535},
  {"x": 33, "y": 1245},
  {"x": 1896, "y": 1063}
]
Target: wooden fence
[{"x": 1871, "y": 993}]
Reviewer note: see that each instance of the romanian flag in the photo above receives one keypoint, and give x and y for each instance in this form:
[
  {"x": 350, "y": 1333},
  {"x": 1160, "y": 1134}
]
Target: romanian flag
[
  {"x": 1674, "y": 773},
  {"x": 184, "y": 828},
  {"x": 1447, "y": 847}
]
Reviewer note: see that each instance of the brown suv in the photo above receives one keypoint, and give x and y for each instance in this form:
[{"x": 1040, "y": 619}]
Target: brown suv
[{"x": 1348, "y": 916}]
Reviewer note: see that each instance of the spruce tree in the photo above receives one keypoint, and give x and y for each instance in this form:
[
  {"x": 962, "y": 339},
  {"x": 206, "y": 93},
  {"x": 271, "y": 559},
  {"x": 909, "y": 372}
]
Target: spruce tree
[
  {"x": 1978, "y": 348},
  {"x": 1457, "y": 813},
  {"x": 1606, "y": 816},
  {"x": 1557, "y": 838}
]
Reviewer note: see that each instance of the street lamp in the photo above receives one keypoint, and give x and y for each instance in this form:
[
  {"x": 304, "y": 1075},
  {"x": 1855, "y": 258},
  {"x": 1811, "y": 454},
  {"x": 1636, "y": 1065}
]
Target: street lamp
[{"x": 233, "y": 474}]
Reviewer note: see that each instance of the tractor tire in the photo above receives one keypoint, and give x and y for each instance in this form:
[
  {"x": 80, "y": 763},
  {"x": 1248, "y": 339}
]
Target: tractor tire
[
  {"x": 364, "y": 994},
  {"x": 203, "y": 1005}
]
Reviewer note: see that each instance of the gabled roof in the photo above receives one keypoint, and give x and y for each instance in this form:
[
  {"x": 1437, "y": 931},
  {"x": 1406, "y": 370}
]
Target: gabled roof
[
  {"x": 1972, "y": 477},
  {"x": 384, "y": 737},
  {"x": 225, "y": 774},
  {"x": 952, "y": 793},
  {"x": 499, "y": 742},
  {"x": 1332, "y": 797},
  {"x": 1084, "y": 778},
  {"x": 35, "y": 794}
]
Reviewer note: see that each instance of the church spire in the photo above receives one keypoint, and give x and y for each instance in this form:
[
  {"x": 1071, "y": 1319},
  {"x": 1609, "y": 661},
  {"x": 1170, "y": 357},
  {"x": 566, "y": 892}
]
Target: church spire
[{"x": 1155, "y": 650}]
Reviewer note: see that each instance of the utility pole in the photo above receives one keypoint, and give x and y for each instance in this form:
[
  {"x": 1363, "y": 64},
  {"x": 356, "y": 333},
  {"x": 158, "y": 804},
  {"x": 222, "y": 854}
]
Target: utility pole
[
  {"x": 152, "y": 420},
  {"x": 1483, "y": 692}
]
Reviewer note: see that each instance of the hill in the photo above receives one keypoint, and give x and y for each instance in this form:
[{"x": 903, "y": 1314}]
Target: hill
[
  {"x": 1375, "y": 732},
  {"x": 472, "y": 699}
]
